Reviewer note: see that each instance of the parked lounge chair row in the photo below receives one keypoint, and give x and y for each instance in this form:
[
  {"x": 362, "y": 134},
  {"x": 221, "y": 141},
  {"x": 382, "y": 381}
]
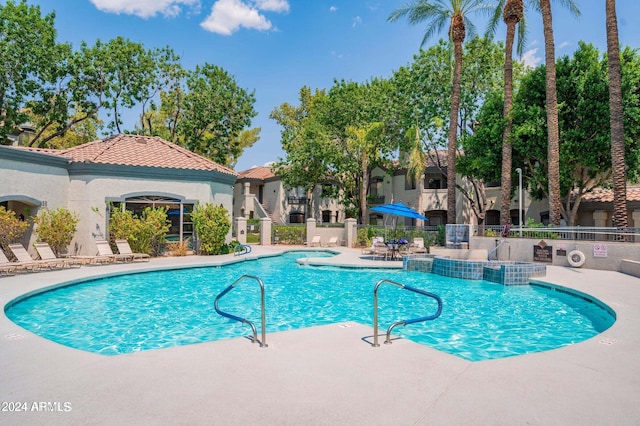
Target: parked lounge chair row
[{"x": 49, "y": 261}]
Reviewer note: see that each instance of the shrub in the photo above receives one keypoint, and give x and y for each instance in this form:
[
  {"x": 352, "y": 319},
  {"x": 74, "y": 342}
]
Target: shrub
[
  {"x": 291, "y": 234},
  {"x": 490, "y": 233},
  {"x": 11, "y": 228},
  {"x": 56, "y": 228},
  {"x": 178, "y": 248},
  {"x": 441, "y": 236},
  {"x": 146, "y": 234},
  {"x": 212, "y": 225}
]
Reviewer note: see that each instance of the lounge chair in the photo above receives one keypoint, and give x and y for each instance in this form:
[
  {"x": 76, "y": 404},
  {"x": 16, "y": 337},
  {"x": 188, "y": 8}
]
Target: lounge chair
[
  {"x": 6, "y": 267},
  {"x": 381, "y": 250},
  {"x": 315, "y": 242},
  {"x": 125, "y": 248},
  {"x": 372, "y": 249},
  {"x": 29, "y": 263},
  {"x": 418, "y": 246},
  {"x": 45, "y": 253},
  {"x": 333, "y": 242},
  {"x": 104, "y": 250}
]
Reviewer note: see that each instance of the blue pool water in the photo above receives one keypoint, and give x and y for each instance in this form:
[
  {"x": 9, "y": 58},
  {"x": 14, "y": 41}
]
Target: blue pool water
[{"x": 480, "y": 320}]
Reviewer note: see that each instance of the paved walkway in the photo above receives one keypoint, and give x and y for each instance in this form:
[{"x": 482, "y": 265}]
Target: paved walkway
[{"x": 323, "y": 375}]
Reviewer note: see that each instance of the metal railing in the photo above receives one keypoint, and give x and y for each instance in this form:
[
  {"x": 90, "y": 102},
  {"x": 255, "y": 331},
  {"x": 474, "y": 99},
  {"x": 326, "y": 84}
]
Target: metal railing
[
  {"x": 242, "y": 249},
  {"x": 297, "y": 200},
  {"x": 404, "y": 322},
  {"x": 584, "y": 233},
  {"x": 263, "y": 342}
]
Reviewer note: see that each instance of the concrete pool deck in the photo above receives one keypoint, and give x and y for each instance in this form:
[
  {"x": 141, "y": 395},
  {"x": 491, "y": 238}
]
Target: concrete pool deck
[{"x": 324, "y": 375}]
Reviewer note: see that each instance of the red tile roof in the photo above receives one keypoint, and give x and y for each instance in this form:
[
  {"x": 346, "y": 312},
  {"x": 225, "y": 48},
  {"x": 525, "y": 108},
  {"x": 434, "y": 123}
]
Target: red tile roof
[
  {"x": 135, "y": 150},
  {"x": 606, "y": 195},
  {"x": 142, "y": 151},
  {"x": 260, "y": 172}
]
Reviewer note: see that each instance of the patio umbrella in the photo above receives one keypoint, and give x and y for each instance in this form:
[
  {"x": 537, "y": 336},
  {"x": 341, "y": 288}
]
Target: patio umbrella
[{"x": 398, "y": 209}]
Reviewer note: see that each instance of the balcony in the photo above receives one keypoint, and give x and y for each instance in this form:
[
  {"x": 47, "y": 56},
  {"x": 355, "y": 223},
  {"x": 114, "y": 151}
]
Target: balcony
[
  {"x": 297, "y": 200},
  {"x": 375, "y": 199}
]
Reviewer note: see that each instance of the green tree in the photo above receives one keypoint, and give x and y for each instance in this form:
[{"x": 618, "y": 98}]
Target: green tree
[
  {"x": 56, "y": 228},
  {"x": 584, "y": 151},
  {"x": 303, "y": 140},
  {"x": 212, "y": 225},
  {"x": 213, "y": 113},
  {"x": 324, "y": 140},
  {"x": 28, "y": 58},
  {"x": 167, "y": 77},
  {"x": 364, "y": 145},
  {"x": 512, "y": 14},
  {"x": 352, "y": 120},
  {"x": 551, "y": 106},
  {"x": 456, "y": 14},
  {"x": 423, "y": 91}
]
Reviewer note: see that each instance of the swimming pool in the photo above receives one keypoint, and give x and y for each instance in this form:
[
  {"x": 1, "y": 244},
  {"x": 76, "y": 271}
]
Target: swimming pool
[{"x": 152, "y": 310}]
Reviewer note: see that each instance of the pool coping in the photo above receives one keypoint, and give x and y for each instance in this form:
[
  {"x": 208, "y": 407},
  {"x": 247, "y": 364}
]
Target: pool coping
[{"x": 327, "y": 374}]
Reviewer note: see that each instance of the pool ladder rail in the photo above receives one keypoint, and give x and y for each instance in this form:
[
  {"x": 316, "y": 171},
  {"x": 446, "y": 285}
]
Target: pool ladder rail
[
  {"x": 242, "y": 249},
  {"x": 404, "y": 322},
  {"x": 263, "y": 342}
]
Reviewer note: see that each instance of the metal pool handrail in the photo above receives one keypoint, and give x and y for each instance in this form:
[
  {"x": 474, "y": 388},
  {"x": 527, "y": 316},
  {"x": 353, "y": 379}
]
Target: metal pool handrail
[
  {"x": 242, "y": 249},
  {"x": 405, "y": 322},
  {"x": 263, "y": 342}
]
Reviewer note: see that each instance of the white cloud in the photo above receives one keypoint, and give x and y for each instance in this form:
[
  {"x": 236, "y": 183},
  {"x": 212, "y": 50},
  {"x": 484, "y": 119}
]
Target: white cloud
[
  {"x": 227, "y": 16},
  {"x": 333, "y": 9},
  {"x": 357, "y": 21},
  {"x": 564, "y": 44},
  {"x": 280, "y": 6},
  {"x": 144, "y": 8},
  {"x": 530, "y": 59}
]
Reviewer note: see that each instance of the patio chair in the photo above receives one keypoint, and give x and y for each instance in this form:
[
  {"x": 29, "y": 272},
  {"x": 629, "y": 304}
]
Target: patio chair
[
  {"x": 381, "y": 250},
  {"x": 315, "y": 241},
  {"x": 6, "y": 267},
  {"x": 29, "y": 263},
  {"x": 125, "y": 248},
  {"x": 372, "y": 249},
  {"x": 46, "y": 253},
  {"x": 333, "y": 242},
  {"x": 104, "y": 250},
  {"x": 418, "y": 245}
]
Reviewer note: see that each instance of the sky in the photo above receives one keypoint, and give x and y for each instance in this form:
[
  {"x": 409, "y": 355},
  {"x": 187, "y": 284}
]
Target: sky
[{"x": 275, "y": 47}]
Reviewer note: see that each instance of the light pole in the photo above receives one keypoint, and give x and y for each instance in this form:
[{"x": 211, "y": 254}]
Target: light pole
[{"x": 519, "y": 171}]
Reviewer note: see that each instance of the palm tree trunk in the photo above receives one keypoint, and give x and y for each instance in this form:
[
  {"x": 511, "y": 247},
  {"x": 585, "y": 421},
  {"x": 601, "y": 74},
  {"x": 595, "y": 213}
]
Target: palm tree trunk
[
  {"x": 553, "y": 134},
  {"x": 364, "y": 218},
  {"x": 505, "y": 180},
  {"x": 419, "y": 199},
  {"x": 616, "y": 119},
  {"x": 453, "y": 134}
]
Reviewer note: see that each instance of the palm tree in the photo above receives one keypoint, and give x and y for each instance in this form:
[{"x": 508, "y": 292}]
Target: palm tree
[
  {"x": 512, "y": 14},
  {"x": 438, "y": 13},
  {"x": 362, "y": 142},
  {"x": 416, "y": 163},
  {"x": 617, "y": 126}
]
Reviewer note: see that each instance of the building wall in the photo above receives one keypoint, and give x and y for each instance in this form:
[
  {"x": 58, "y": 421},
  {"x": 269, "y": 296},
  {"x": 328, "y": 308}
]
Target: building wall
[
  {"x": 29, "y": 187},
  {"x": 89, "y": 195},
  {"x": 275, "y": 199},
  {"x": 45, "y": 183},
  {"x": 32, "y": 181}
]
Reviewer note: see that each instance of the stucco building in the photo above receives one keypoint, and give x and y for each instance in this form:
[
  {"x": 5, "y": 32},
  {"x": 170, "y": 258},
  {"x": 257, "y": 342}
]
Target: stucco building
[{"x": 122, "y": 171}]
